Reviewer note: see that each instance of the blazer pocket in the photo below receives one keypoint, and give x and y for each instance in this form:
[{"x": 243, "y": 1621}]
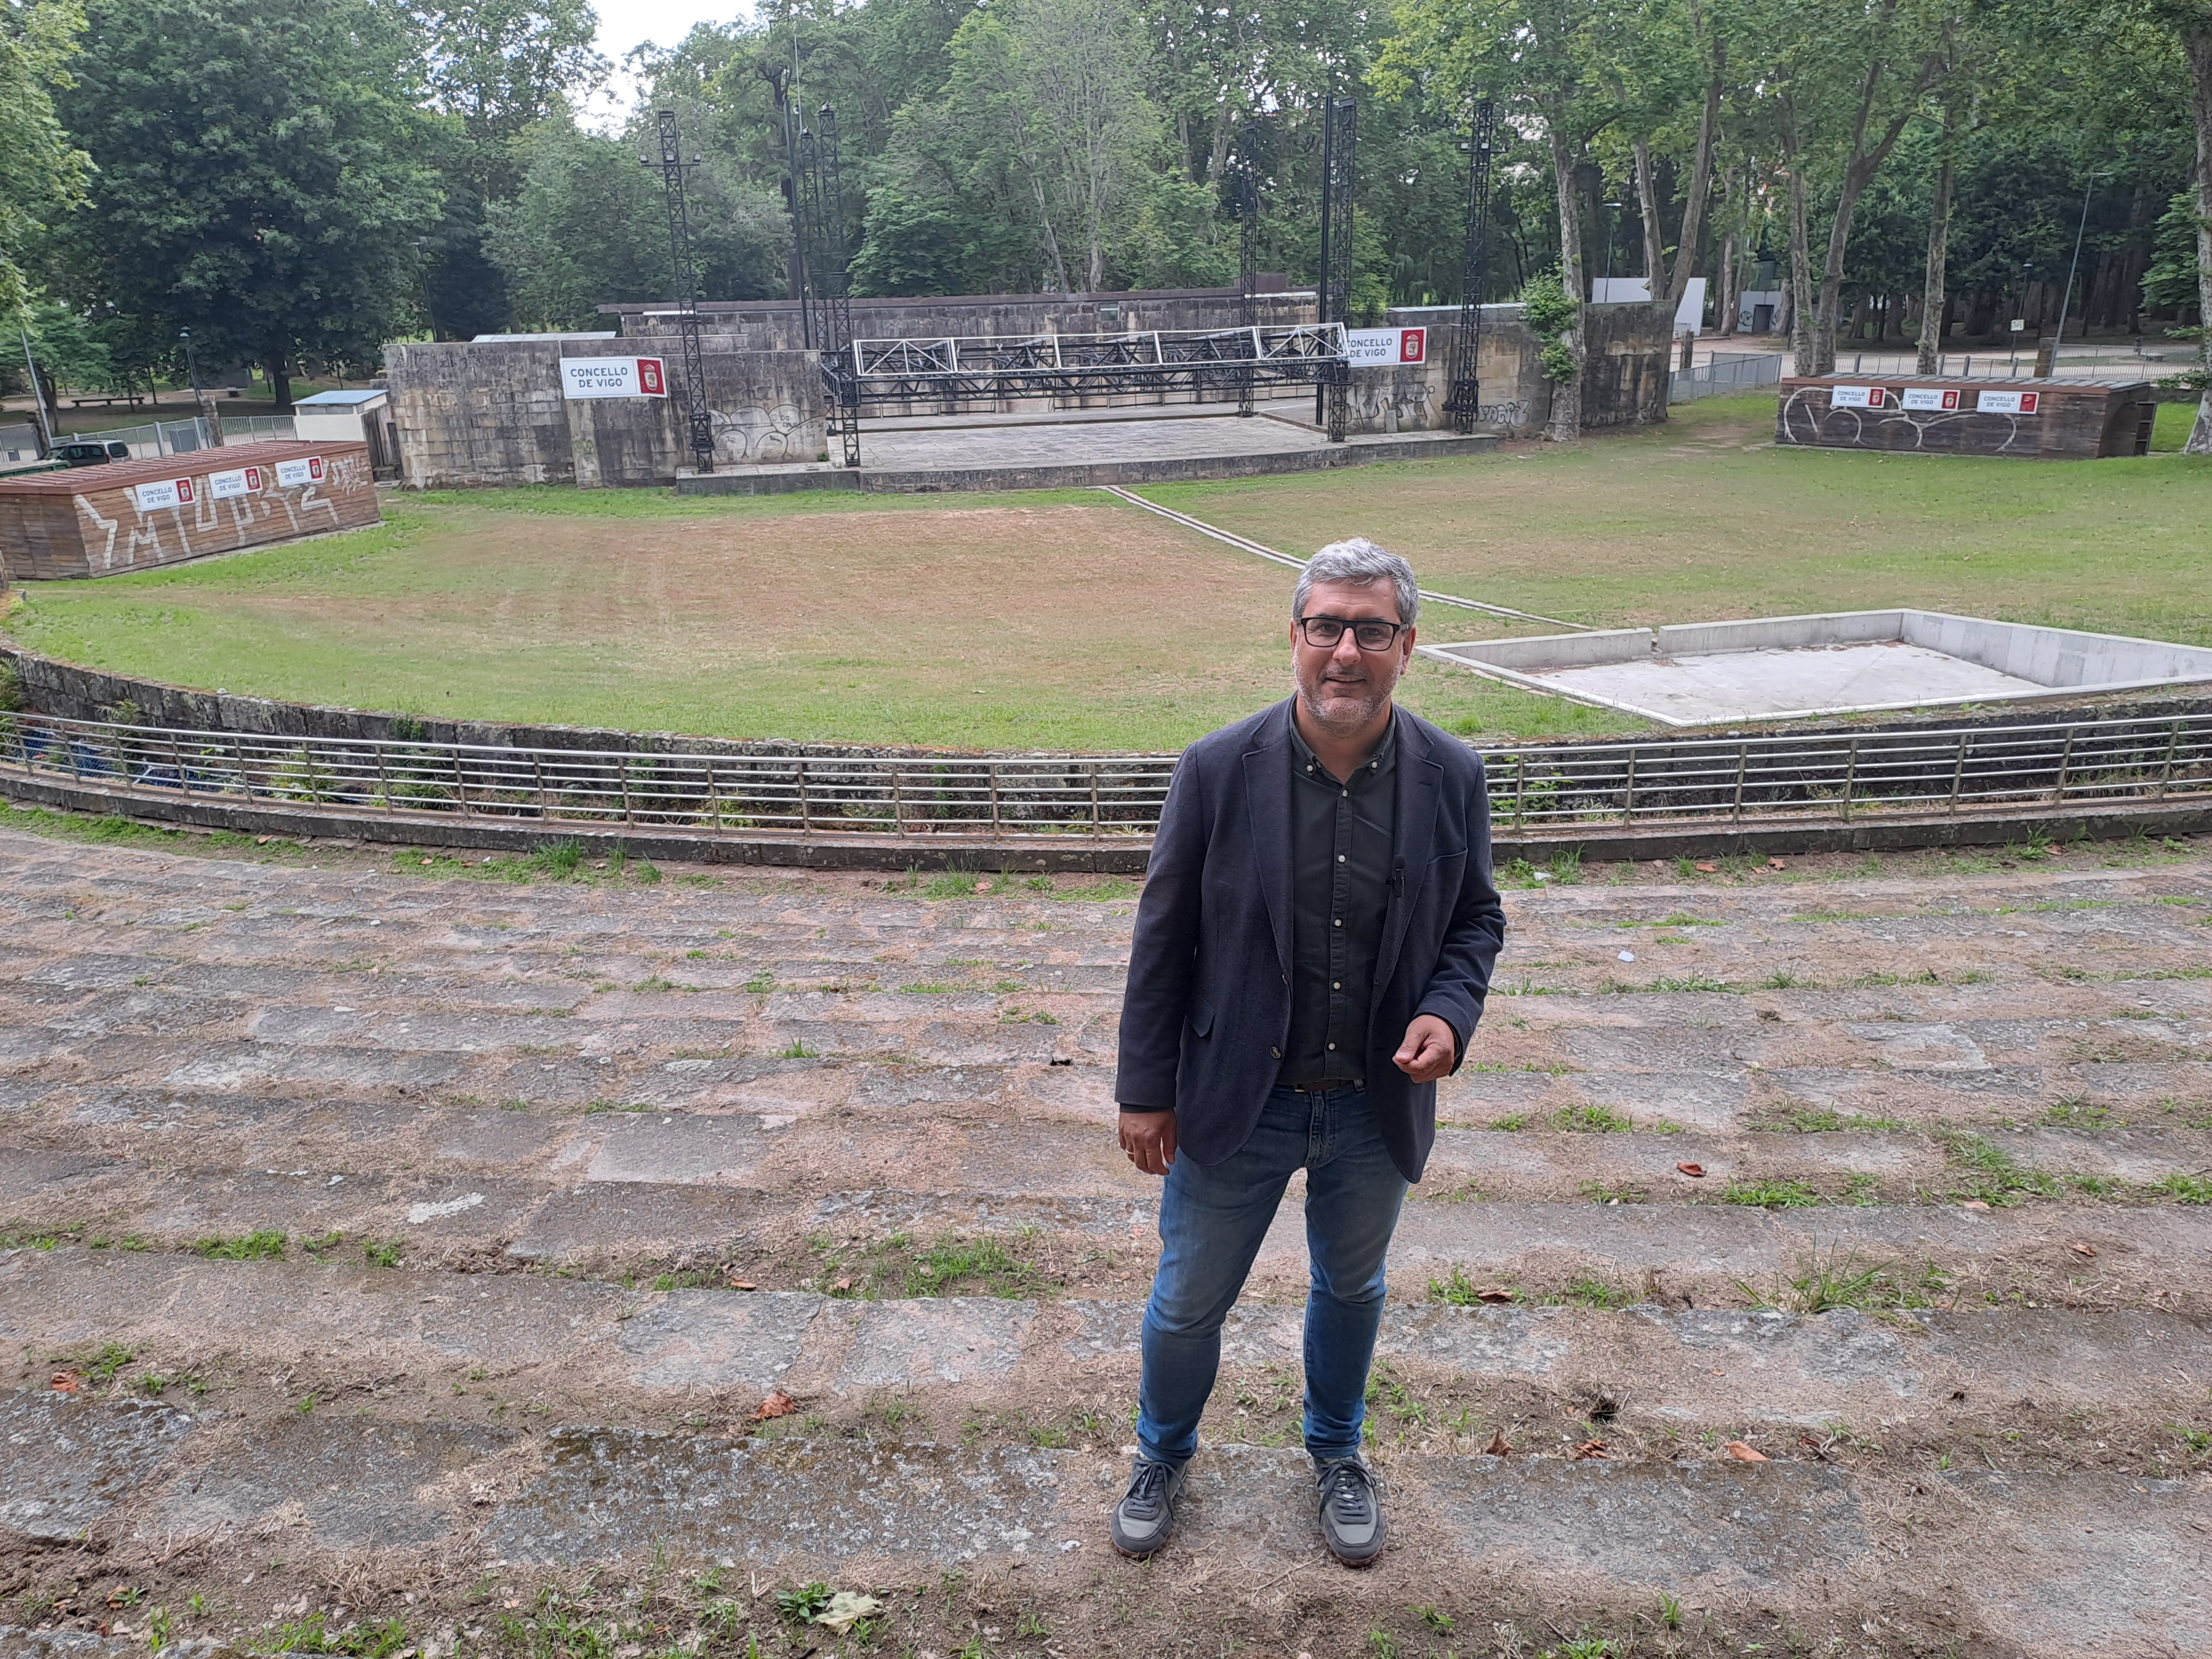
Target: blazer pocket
[{"x": 1202, "y": 1018}]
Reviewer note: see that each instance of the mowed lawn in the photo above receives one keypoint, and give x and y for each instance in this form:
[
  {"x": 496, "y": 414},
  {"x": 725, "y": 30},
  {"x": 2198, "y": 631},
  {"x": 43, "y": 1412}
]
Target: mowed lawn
[
  {"x": 1069, "y": 620},
  {"x": 1703, "y": 519}
]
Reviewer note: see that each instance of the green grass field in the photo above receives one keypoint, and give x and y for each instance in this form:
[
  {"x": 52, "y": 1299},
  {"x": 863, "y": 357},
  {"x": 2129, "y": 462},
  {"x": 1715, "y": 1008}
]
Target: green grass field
[{"x": 1069, "y": 620}]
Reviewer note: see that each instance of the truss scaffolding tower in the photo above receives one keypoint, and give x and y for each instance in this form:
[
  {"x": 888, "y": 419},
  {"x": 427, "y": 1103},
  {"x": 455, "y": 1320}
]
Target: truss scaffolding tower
[
  {"x": 1244, "y": 186},
  {"x": 696, "y": 413},
  {"x": 1463, "y": 403},
  {"x": 826, "y": 296},
  {"x": 1338, "y": 139}
]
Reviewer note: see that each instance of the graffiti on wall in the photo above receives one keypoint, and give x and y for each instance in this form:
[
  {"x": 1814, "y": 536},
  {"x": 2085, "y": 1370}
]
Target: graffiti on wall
[
  {"x": 765, "y": 436},
  {"x": 200, "y": 522}
]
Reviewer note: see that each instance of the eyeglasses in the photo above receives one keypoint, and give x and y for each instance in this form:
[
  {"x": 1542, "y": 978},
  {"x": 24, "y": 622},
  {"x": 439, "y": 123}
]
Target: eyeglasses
[{"x": 1369, "y": 633}]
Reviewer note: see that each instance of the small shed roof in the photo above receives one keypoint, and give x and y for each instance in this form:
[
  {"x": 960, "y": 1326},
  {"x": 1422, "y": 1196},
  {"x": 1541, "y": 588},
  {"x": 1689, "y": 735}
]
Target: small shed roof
[
  {"x": 193, "y": 464},
  {"x": 342, "y": 399}
]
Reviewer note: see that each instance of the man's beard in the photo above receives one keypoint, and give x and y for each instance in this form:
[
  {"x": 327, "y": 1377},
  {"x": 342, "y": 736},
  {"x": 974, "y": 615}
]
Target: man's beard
[{"x": 1350, "y": 710}]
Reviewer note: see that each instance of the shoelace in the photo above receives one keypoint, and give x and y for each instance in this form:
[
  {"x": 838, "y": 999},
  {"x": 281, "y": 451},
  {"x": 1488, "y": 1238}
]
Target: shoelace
[
  {"x": 1147, "y": 1490},
  {"x": 1349, "y": 1486}
]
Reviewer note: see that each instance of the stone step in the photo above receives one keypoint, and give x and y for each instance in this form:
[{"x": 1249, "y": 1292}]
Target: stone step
[
  {"x": 1829, "y": 1553},
  {"x": 1654, "y": 1373}
]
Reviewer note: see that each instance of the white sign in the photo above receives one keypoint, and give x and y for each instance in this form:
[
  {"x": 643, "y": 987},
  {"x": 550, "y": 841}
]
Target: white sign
[
  {"x": 1930, "y": 397},
  {"x": 308, "y": 469},
  {"x": 1385, "y": 348},
  {"x": 171, "y": 492},
  {"x": 2009, "y": 403},
  {"x": 613, "y": 377},
  {"x": 1857, "y": 396},
  {"x": 246, "y": 481}
]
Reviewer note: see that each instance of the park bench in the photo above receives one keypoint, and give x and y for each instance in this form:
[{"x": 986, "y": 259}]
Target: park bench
[{"x": 134, "y": 398}]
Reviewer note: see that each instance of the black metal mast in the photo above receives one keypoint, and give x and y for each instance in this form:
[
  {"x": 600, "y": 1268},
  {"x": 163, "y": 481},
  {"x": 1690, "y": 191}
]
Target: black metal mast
[
  {"x": 1338, "y": 139},
  {"x": 672, "y": 166},
  {"x": 1244, "y": 187},
  {"x": 827, "y": 303},
  {"x": 1464, "y": 401}
]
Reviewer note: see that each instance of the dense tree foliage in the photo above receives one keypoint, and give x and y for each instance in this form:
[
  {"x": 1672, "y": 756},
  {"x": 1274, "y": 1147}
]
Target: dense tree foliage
[{"x": 290, "y": 179}]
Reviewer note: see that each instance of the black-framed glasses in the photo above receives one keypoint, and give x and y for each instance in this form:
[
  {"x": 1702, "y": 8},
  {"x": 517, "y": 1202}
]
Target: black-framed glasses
[{"x": 1369, "y": 633}]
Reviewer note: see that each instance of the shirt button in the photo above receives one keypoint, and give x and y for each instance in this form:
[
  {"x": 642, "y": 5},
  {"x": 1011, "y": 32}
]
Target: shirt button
[
  {"x": 1336, "y": 985},
  {"x": 1339, "y": 857},
  {"x": 1276, "y": 1053},
  {"x": 1332, "y": 1048},
  {"x": 1347, "y": 791},
  {"x": 1339, "y": 922}
]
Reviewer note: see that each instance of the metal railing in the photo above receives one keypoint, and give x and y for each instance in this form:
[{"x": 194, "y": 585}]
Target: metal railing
[
  {"x": 1726, "y": 373},
  {"x": 1554, "y": 790},
  {"x": 158, "y": 438}
]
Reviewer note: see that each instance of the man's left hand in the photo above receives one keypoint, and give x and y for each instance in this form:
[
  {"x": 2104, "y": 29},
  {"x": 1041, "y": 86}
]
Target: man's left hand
[{"x": 1428, "y": 1051}]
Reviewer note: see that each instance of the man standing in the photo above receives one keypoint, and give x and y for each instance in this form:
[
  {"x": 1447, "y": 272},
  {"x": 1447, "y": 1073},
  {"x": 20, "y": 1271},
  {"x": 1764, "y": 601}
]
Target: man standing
[{"x": 1312, "y": 951}]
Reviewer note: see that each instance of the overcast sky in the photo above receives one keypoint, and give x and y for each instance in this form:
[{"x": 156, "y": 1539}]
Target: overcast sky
[{"x": 624, "y": 24}]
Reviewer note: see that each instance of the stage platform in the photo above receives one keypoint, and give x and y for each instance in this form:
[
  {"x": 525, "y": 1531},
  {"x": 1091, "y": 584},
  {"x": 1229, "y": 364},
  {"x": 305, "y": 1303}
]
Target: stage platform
[{"x": 1078, "y": 449}]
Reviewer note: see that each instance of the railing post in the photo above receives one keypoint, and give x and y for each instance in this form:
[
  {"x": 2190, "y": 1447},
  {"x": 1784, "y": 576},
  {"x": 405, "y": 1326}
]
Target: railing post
[
  {"x": 1742, "y": 761},
  {"x": 383, "y": 780},
  {"x": 805, "y": 811},
  {"x": 1097, "y": 828},
  {"x": 1628, "y": 792},
  {"x": 537, "y": 777},
  {"x": 1959, "y": 773},
  {"x": 898, "y": 800},
  {"x": 177, "y": 760},
  {"x": 714, "y": 797},
  {"x": 2165, "y": 775},
  {"x": 622, "y": 774},
  {"x": 994, "y": 797},
  {"x": 2065, "y": 765},
  {"x": 1520, "y": 788},
  {"x": 460, "y": 782},
  {"x": 1850, "y": 774},
  {"x": 245, "y": 783}
]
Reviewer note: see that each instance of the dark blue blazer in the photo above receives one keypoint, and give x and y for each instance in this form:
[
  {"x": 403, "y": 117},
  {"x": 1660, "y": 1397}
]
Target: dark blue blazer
[{"x": 1208, "y": 1006}]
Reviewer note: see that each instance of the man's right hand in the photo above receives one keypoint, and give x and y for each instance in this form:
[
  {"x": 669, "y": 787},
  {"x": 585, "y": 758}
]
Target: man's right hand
[{"x": 1149, "y": 1138}]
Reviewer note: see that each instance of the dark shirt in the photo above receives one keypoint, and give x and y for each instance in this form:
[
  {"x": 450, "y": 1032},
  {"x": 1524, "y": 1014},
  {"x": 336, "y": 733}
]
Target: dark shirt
[{"x": 1343, "y": 840}]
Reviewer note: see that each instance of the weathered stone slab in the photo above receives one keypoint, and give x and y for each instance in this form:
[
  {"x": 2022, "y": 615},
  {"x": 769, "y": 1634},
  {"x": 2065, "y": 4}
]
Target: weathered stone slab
[
  {"x": 916, "y": 1344},
  {"x": 717, "y": 1339},
  {"x": 66, "y": 1461},
  {"x": 358, "y": 1486},
  {"x": 1737, "y": 1525},
  {"x": 609, "y": 1492},
  {"x": 602, "y": 1218},
  {"x": 682, "y": 1150}
]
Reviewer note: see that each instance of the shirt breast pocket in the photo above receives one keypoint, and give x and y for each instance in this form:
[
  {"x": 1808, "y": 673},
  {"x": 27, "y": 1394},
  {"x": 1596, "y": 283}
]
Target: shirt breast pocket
[{"x": 1201, "y": 1019}]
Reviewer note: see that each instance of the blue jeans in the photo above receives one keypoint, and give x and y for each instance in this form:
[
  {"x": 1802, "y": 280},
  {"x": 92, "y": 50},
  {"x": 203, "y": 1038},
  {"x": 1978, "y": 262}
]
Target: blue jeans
[{"x": 1213, "y": 1222}]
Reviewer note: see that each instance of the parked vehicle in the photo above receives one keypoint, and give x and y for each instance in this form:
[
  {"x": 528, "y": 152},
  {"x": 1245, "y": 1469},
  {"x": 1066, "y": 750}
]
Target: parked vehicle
[{"x": 87, "y": 453}]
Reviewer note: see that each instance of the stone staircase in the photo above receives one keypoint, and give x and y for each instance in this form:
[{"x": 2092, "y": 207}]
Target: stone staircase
[{"x": 387, "y": 1245}]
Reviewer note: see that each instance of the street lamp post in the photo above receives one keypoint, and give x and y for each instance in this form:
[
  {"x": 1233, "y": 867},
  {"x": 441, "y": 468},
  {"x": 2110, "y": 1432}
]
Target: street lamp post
[{"x": 2067, "y": 299}]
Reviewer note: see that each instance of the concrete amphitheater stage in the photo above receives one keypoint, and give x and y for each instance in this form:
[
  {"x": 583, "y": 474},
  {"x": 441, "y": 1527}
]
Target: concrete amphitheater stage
[
  {"x": 567, "y": 1180},
  {"x": 1058, "y": 451}
]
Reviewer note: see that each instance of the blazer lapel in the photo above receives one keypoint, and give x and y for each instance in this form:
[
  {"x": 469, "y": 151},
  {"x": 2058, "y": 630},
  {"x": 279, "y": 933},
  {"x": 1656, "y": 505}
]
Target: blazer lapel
[
  {"x": 1420, "y": 792},
  {"x": 1267, "y": 804}
]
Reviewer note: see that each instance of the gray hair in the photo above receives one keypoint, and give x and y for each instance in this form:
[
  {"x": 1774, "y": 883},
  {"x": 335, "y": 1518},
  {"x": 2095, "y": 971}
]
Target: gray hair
[{"x": 1360, "y": 562}]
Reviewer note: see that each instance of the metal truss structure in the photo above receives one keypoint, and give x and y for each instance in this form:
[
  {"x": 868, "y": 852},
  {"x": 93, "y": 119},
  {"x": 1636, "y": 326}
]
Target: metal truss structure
[
  {"x": 1244, "y": 200},
  {"x": 1338, "y": 144},
  {"x": 826, "y": 300},
  {"x": 1210, "y": 363},
  {"x": 1217, "y": 360},
  {"x": 1463, "y": 403},
  {"x": 671, "y": 164}
]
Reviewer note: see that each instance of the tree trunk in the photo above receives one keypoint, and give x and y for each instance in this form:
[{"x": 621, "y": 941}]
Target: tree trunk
[
  {"x": 1802, "y": 342},
  {"x": 1726, "y": 303},
  {"x": 278, "y": 367},
  {"x": 1934, "y": 302},
  {"x": 2197, "y": 45},
  {"x": 1647, "y": 208},
  {"x": 1566, "y": 425}
]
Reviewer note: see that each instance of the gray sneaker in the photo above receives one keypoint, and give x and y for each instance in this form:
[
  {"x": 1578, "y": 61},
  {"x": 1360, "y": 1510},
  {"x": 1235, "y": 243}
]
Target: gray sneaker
[
  {"x": 1351, "y": 1511},
  {"x": 1145, "y": 1514}
]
